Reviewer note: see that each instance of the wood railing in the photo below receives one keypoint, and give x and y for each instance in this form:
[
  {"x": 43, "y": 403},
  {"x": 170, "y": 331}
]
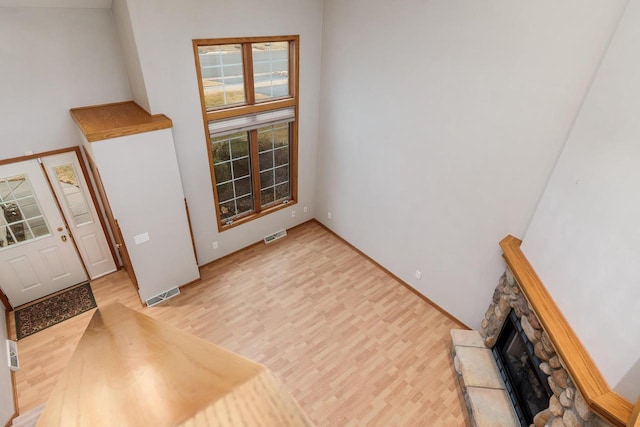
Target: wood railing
[
  {"x": 585, "y": 374},
  {"x": 131, "y": 370},
  {"x": 634, "y": 421}
]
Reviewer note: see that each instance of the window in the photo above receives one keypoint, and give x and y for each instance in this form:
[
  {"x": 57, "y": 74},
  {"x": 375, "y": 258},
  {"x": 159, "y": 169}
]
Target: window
[
  {"x": 249, "y": 95},
  {"x": 20, "y": 217}
]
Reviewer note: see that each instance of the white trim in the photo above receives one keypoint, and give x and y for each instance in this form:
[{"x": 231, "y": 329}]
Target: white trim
[{"x": 251, "y": 121}]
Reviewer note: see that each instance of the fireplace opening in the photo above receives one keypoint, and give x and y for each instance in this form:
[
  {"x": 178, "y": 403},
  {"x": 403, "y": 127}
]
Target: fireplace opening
[{"x": 520, "y": 368}]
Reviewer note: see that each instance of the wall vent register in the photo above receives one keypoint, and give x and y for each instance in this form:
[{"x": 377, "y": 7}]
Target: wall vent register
[
  {"x": 12, "y": 355},
  {"x": 162, "y": 297},
  {"x": 275, "y": 236}
]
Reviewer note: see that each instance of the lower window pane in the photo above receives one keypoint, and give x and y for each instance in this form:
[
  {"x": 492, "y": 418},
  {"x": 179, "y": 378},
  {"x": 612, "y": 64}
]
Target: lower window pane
[
  {"x": 266, "y": 179},
  {"x": 234, "y": 160},
  {"x": 240, "y": 168},
  {"x": 232, "y": 168},
  {"x": 227, "y": 210},
  {"x": 245, "y": 204},
  {"x": 220, "y": 151},
  {"x": 225, "y": 191},
  {"x": 243, "y": 187},
  {"x": 282, "y": 191},
  {"x": 239, "y": 147},
  {"x": 267, "y": 196},
  {"x": 266, "y": 160},
  {"x": 282, "y": 174},
  {"x": 274, "y": 163},
  {"x": 223, "y": 172},
  {"x": 281, "y": 156}
]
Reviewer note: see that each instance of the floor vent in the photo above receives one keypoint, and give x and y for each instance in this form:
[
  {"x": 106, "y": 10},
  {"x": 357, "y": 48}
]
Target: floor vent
[
  {"x": 12, "y": 355},
  {"x": 163, "y": 297},
  {"x": 275, "y": 236}
]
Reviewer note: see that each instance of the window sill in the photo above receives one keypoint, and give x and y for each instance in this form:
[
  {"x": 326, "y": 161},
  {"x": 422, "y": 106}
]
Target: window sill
[{"x": 251, "y": 217}]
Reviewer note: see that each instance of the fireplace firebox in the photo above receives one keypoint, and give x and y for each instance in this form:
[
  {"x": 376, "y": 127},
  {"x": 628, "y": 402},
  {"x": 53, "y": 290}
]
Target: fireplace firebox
[{"x": 520, "y": 368}]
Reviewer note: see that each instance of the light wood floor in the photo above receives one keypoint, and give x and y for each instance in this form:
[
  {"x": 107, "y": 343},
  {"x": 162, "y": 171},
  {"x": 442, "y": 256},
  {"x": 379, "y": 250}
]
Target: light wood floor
[{"x": 352, "y": 345}]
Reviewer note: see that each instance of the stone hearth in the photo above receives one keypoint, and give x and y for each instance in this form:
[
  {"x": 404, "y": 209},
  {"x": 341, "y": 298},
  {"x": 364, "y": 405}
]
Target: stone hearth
[
  {"x": 482, "y": 386},
  {"x": 567, "y": 407}
]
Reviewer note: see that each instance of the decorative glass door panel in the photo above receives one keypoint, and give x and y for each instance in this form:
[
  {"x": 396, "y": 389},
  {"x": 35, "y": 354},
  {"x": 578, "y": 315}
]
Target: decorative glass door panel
[
  {"x": 74, "y": 197},
  {"x": 21, "y": 218}
]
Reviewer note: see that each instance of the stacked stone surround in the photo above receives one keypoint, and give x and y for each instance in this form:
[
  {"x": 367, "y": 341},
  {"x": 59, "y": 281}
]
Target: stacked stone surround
[{"x": 567, "y": 407}]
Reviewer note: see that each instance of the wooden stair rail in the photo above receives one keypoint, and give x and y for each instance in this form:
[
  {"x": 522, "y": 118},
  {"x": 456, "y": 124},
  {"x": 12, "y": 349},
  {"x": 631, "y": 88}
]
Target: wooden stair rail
[
  {"x": 131, "y": 370},
  {"x": 585, "y": 374},
  {"x": 634, "y": 421}
]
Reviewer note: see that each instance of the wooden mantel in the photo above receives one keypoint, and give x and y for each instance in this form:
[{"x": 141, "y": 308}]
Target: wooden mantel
[
  {"x": 585, "y": 374},
  {"x": 107, "y": 121},
  {"x": 131, "y": 370}
]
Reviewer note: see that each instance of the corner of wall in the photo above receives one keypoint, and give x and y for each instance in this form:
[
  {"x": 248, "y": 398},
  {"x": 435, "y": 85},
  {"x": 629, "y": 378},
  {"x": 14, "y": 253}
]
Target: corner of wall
[{"x": 124, "y": 27}]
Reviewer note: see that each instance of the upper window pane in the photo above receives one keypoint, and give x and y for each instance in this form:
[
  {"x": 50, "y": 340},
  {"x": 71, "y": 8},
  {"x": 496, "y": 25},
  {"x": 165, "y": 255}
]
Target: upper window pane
[
  {"x": 270, "y": 70},
  {"x": 222, "y": 79}
]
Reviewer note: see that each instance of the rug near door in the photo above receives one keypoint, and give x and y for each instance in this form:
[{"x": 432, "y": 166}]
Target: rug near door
[{"x": 53, "y": 310}]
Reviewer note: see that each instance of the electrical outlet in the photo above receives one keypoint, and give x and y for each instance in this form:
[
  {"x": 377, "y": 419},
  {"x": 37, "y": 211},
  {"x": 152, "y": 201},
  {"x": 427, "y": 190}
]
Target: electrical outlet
[
  {"x": 329, "y": 215},
  {"x": 141, "y": 238},
  {"x": 418, "y": 274},
  {"x": 293, "y": 214},
  {"x": 305, "y": 209},
  {"x": 215, "y": 245}
]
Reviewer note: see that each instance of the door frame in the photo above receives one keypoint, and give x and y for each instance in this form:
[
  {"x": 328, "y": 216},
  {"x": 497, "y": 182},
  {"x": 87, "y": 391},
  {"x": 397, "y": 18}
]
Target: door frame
[
  {"x": 118, "y": 239},
  {"x": 94, "y": 200}
]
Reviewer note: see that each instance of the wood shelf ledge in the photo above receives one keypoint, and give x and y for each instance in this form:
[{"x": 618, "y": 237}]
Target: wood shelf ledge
[
  {"x": 584, "y": 372},
  {"x": 99, "y": 122}
]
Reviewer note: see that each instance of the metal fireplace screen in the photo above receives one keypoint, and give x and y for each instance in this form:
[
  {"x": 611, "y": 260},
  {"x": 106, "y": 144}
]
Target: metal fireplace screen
[{"x": 520, "y": 368}]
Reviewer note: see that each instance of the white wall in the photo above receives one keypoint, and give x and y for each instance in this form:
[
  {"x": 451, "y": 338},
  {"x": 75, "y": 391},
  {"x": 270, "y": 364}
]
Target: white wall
[
  {"x": 141, "y": 178},
  {"x": 53, "y": 60},
  {"x": 441, "y": 122},
  {"x": 6, "y": 389},
  {"x": 131, "y": 54},
  {"x": 584, "y": 240},
  {"x": 163, "y": 32}
]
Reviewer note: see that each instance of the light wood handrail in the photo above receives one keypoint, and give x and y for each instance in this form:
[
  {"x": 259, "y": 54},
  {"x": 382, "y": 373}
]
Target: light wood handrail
[
  {"x": 634, "y": 421},
  {"x": 584, "y": 372},
  {"x": 129, "y": 370}
]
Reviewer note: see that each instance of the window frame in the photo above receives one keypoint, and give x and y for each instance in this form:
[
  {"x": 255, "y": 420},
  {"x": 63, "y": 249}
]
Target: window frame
[{"x": 252, "y": 107}]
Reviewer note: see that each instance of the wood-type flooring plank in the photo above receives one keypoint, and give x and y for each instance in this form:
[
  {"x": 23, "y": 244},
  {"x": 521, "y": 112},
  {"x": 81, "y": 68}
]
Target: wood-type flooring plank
[{"x": 351, "y": 344}]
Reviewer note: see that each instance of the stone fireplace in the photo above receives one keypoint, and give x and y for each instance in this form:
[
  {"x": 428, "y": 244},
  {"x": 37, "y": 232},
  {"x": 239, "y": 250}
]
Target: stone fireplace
[
  {"x": 525, "y": 383},
  {"x": 579, "y": 396},
  {"x": 566, "y": 406}
]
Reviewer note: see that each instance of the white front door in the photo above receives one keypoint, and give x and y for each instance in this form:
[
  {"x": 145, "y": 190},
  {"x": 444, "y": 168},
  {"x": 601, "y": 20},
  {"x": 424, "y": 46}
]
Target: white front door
[
  {"x": 75, "y": 200},
  {"x": 37, "y": 257}
]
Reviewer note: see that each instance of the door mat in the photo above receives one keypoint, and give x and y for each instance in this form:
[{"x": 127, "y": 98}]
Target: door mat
[{"x": 53, "y": 310}]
